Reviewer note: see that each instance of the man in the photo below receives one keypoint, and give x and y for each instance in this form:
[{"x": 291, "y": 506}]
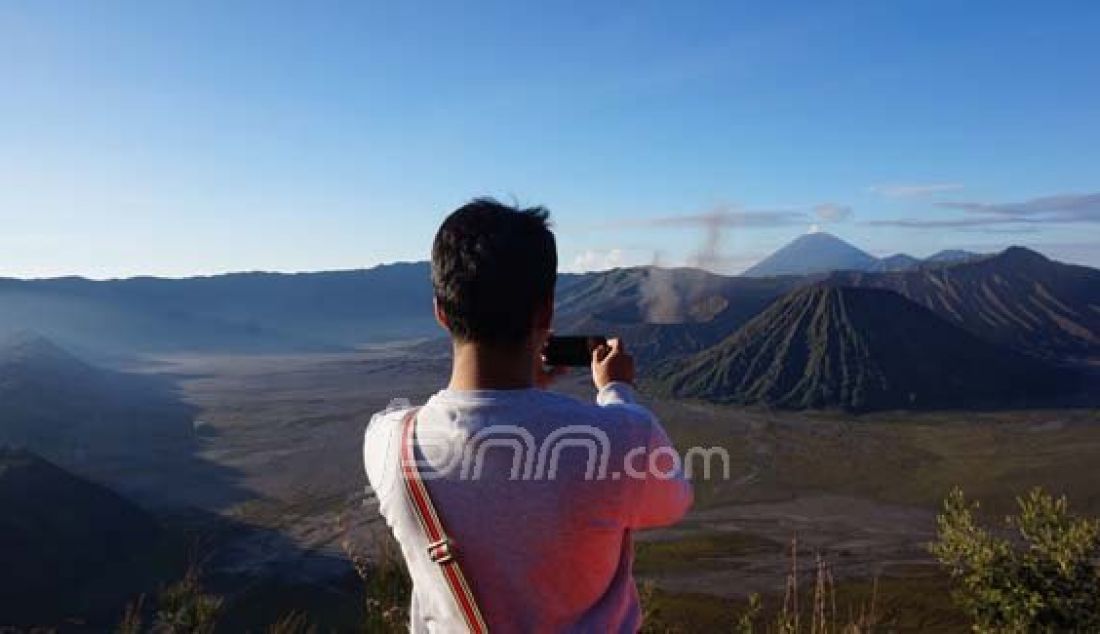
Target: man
[{"x": 538, "y": 492}]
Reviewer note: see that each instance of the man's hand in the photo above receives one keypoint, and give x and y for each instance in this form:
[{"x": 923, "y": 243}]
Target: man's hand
[{"x": 612, "y": 363}]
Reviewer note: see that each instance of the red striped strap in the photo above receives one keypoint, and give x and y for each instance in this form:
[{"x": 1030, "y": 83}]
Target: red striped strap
[{"x": 440, "y": 546}]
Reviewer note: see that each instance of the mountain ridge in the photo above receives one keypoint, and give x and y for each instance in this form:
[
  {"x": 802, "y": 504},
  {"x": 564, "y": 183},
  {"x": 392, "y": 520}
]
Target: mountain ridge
[
  {"x": 247, "y": 312},
  {"x": 1017, "y": 298},
  {"x": 821, "y": 253},
  {"x": 1023, "y": 301},
  {"x": 859, "y": 349},
  {"x": 69, "y": 411}
]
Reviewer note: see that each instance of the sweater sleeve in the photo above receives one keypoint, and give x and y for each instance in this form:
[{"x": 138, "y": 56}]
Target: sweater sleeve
[{"x": 661, "y": 494}]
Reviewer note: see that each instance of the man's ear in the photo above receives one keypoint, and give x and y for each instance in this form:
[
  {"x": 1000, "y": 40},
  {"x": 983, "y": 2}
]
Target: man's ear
[
  {"x": 440, "y": 316},
  {"x": 544, "y": 314}
]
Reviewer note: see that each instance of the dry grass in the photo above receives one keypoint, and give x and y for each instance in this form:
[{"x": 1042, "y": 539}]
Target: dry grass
[
  {"x": 386, "y": 584},
  {"x": 815, "y": 613},
  {"x": 811, "y": 603}
]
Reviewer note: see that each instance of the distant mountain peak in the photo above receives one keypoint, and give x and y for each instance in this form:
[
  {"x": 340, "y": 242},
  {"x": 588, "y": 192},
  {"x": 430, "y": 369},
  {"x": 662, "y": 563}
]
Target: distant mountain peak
[
  {"x": 952, "y": 255},
  {"x": 1022, "y": 254},
  {"x": 818, "y": 236},
  {"x": 896, "y": 262},
  {"x": 813, "y": 253},
  {"x": 819, "y": 252}
]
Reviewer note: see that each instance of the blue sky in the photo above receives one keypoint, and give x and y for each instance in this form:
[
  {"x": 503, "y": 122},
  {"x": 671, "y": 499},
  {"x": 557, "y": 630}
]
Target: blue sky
[{"x": 178, "y": 138}]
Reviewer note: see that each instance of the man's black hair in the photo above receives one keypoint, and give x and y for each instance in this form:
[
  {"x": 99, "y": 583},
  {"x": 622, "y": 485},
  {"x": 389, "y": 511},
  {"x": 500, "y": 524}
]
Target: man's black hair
[{"x": 492, "y": 266}]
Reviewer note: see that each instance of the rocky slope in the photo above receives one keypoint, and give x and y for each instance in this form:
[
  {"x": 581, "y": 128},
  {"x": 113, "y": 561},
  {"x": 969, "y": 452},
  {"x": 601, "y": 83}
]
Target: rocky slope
[{"x": 860, "y": 349}]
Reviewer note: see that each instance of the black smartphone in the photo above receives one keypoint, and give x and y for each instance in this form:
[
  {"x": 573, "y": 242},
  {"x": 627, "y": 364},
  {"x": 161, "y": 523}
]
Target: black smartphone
[{"x": 575, "y": 351}]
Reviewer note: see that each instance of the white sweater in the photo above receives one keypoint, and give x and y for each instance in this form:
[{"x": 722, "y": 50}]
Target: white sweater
[{"x": 525, "y": 484}]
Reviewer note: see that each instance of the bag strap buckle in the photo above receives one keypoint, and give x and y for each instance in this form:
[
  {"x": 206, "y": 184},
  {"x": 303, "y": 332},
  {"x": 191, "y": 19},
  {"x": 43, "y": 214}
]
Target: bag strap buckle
[{"x": 440, "y": 551}]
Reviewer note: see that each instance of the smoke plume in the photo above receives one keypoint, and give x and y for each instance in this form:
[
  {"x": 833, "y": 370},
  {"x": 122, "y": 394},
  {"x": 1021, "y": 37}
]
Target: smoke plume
[{"x": 660, "y": 301}]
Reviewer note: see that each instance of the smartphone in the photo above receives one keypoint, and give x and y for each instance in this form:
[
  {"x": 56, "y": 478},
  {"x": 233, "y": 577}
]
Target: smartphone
[{"x": 575, "y": 351}]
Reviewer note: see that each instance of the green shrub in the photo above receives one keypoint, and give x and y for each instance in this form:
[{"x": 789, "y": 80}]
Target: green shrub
[
  {"x": 184, "y": 607},
  {"x": 1040, "y": 576}
]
